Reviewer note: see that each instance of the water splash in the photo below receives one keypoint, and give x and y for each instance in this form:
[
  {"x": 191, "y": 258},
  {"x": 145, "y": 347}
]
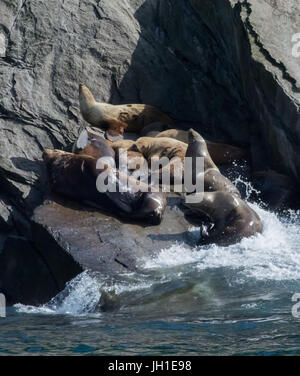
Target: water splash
[
  {"x": 272, "y": 255},
  {"x": 176, "y": 271}
]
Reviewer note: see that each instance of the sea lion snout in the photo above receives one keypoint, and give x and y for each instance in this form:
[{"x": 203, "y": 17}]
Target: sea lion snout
[
  {"x": 153, "y": 207},
  {"x": 194, "y": 136}
]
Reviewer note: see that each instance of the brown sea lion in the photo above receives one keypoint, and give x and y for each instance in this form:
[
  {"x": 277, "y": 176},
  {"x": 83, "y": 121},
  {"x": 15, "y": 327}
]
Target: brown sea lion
[
  {"x": 93, "y": 145},
  {"x": 116, "y": 118},
  {"x": 220, "y": 153},
  {"x": 75, "y": 176},
  {"x": 133, "y": 159},
  {"x": 213, "y": 179},
  {"x": 233, "y": 219}
]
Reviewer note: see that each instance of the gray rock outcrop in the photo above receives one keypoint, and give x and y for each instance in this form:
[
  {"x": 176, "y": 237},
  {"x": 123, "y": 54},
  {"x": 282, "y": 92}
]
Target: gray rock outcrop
[{"x": 224, "y": 67}]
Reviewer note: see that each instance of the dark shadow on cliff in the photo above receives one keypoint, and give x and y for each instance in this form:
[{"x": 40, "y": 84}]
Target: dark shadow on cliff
[{"x": 185, "y": 70}]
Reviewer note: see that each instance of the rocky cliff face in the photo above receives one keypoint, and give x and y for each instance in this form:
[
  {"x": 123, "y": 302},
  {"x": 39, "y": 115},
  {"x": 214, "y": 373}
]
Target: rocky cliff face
[{"x": 224, "y": 67}]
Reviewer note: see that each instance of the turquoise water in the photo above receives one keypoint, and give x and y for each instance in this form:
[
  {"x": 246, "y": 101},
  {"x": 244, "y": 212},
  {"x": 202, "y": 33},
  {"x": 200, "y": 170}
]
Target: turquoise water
[{"x": 203, "y": 301}]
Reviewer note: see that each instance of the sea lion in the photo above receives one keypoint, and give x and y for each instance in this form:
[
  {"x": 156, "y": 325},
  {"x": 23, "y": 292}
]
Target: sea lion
[
  {"x": 220, "y": 153},
  {"x": 134, "y": 158},
  {"x": 116, "y": 118},
  {"x": 131, "y": 160},
  {"x": 153, "y": 129},
  {"x": 155, "y": 149},
  {"x": 75, "y": 176},
  {"x": 232, "y": 218},
  {"x": 213, "y": 179},
  {"x": 160, "y": 147},
  {"x": 93, "y": 145},
  {"x": 123, "y": 144}
]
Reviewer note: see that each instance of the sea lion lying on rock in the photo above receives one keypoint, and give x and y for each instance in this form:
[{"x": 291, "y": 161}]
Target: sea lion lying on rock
[
  {"x": 220, "y": 153},
  {"x": 153, "y": 129},
  {"x": 75, "y": 176},
  {"x": 154, "y": 149},
  {"x": 213, "y": 179},
  {"x": 123, "y": 144},
  {"x": 93, "y": 145},
  {"x": 96, "y": 146},
  {"x": 116, "y": 118},
  {"x": 233, "y": 219},
  {"x": 160, "y": 147}
]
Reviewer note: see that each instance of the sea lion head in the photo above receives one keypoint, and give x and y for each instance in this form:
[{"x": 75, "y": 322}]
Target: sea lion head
[
  {"x": 152, "y": 207},
  {"x": 86, "y": 98},
  {"x": 194, "y": 136}
]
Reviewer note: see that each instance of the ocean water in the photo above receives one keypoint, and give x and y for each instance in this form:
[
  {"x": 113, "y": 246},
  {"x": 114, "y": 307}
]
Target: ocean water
[{"x": 210, "y": 300}]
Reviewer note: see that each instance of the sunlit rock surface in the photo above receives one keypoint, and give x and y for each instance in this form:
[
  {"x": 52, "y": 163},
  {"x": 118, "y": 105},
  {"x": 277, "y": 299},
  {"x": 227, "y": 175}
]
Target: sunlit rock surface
[{"x": 224, "y": 67}]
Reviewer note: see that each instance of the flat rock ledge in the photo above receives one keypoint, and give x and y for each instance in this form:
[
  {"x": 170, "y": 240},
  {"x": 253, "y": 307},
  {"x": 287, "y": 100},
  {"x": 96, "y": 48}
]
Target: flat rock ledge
[{"x": 69, "y": 238}]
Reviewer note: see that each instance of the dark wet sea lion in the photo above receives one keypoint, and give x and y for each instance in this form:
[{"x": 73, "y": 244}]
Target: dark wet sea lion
[
  {"x": 116, "y": 118},
  {"x": 213, "y": 179},
  {"x": 152, "y": 207},
  {"x": 233, "y": 219}
]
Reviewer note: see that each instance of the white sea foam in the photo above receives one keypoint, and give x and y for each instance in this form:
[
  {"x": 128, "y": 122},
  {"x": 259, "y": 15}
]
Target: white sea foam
[
  {"x": 273, "y": 255},
  {"x": 80, "y": 296}
]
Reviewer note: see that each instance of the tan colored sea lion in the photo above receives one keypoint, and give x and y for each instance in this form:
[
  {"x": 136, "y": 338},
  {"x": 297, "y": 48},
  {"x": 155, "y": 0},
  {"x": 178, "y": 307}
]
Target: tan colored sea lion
[
  {"x": 160, "y": 147},
  {"x": 213, "y": 179},
  {"x": 75, "y": 176},
  {"x": 155, "y": 149},
  {"x": 220, "y": 153},
  {"x": 233, "y": 219},
  {"x": 134, "y": 158},
  {"x": 122, "y": 144},
  {"x": 116, "y": 118}
]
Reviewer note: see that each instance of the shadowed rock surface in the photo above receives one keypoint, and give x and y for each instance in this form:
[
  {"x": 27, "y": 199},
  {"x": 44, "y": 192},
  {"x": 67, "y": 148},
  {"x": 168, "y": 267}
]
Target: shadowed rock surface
[{"x": 224, "y": 67}]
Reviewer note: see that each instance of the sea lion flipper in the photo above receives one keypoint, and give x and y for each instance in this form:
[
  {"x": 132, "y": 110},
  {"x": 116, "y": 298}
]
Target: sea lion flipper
[{"x": 83, "y": 140}]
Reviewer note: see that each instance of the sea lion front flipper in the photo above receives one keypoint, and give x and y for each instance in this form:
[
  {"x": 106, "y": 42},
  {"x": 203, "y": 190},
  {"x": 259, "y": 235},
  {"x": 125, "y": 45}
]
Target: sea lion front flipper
[{"x": 82, "y": 141}]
